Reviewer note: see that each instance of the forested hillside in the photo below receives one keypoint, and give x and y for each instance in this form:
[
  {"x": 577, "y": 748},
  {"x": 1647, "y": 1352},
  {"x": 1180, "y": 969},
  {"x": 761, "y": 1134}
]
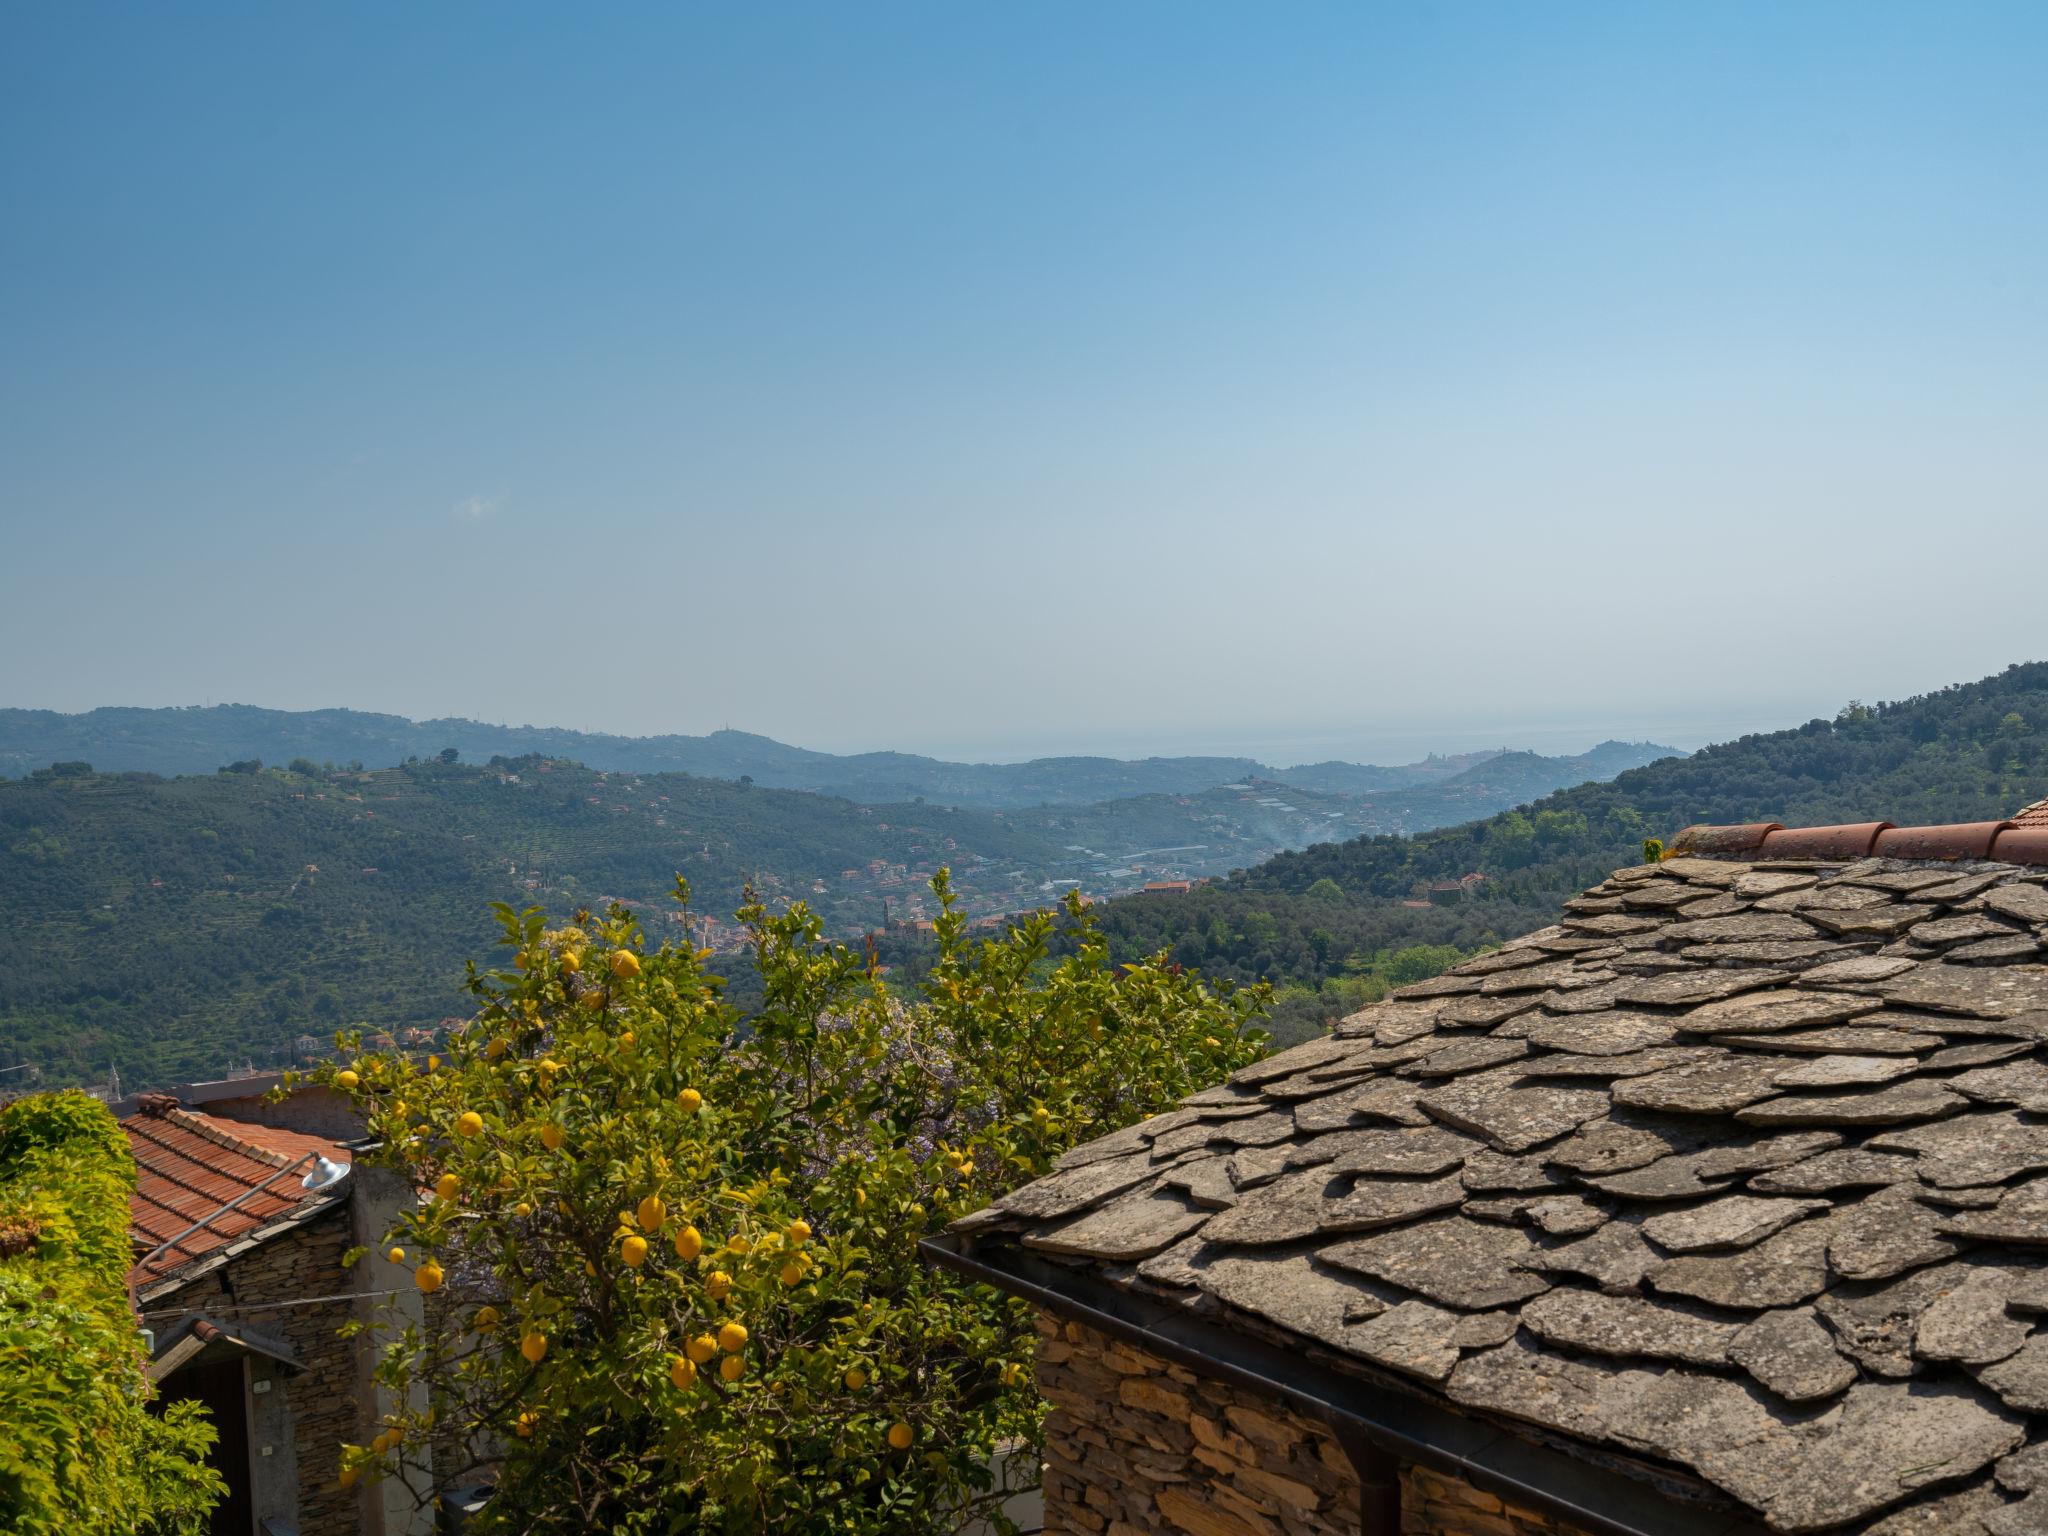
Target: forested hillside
[
  {"x": 201, "y": 740},
  {"x": 1319, "y": 919}
]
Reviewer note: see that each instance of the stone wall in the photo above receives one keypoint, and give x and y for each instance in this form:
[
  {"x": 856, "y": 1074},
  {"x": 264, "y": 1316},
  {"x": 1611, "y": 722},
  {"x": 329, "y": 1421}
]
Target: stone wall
[
  {"x": 1138, "y": 1446},
  {"x": 319, "y": 1401}
]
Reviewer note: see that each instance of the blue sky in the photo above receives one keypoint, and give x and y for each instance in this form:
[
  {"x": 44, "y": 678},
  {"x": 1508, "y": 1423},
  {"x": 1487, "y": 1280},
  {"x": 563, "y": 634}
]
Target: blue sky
[{"x": 990, "y": 380}]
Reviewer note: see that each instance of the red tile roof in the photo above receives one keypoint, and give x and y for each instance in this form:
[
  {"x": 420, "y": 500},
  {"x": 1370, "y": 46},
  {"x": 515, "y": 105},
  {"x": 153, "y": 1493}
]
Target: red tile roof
[
  {"x": 189, "y": 1165},
  {"x": 2022, "y": 840}
]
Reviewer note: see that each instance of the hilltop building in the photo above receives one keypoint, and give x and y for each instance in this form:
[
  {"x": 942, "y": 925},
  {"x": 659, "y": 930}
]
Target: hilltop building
[{"x": 1715, "y": 1208}]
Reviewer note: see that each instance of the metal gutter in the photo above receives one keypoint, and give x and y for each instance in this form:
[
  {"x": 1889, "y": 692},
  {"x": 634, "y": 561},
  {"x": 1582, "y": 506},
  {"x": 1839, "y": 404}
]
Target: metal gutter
[{"x": 1408, "y": 1428}]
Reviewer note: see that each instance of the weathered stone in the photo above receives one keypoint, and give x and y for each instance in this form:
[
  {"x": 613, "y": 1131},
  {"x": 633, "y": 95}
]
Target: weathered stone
[
  {"x": 1982, "y": 1053},
  {"x": 1610, "y": 1033},
  {"x": 1071, "y": 1190},
  {"x": 2021, "y": 1379},
  {"x": 1792, "y": 1355},
  {"x": 1965, "y": 1512},
  {"x": 1768, "y": 1152},
  {"x": 1967, "y": 1324},
  {"x": 1901, "y": 881},
  {"x": 1722, "y": 905},
  {"x": 1998, "y": 992},
  {"x": 1382, "y": 1099},
  {"x": 2022, "y": 902},
  {"x": 1565, "y": 1215},
  {"x": 1999, "y": 951},
  {"x": 1609, "y": 924},
  {"x": 1982, "y": 1198},
  {"x": 1615, "y": 1258},
  {"x": 1658, "y": 895},
  {"x": 1629, "y": 1140},
  {"x": 1311, "y": 1202},
  {"x": 1586, "y": 999},
  {"x": 1483, "y": 1012},
  {"x": 1414, "y": 1337},
  {"x": 1512, "y": 1114},
  {"x": 1414, "y": 1153},
  {"x": 1293, "y": 1291},
  {"x": 1436, "y": 986},
  {"x": 1204, "y": 1180},
  {"x": 2023, "y": 1084},
  {"x": 1717, "y": 1086},
  {"x": 1131, "y": 1227},
  {"x": 1568, "y": 974},
  {"x": 1742, "y": 928},
  {"x": 1981, "y": 1148},
  {"x": 1626, "y": 1327},
  {"x": 1693, "y": 986},
  {"x": 1488, "y": 1171},
  {"x": 1523, "y": 1381},
  {"x": 1385, "y": 1023},
  {"x": 1854, "y": 970},
  {"x": 1174, "y": 1266},
  {"x": 1320, "y": 1052},
  {"x": 1887, "y": 1233},
  {"x": 1669, "y": 1178},
  {"x": 1470, "y": 1265},
  {"x": 1845, "y": 1071},
  {"x": 1467, "y": 1056},
  {"x": 1829, "y": 898},
  {"x": 1886, "y": 920},
  {"x": 1876, "y": 1328},
  {"x": 1758, "y": 882},
  {"x": 1965, "y": 928},
  {"x": 1734, "y": 1221},
  {"x": 1848, "y": 1038},
  {"x": 2025, "y": 1471},
  {"x": 1756, "y": 1013},
  {"x": 1897, "y": 1105},
  {"x": 1610, "y": 1068},
  {"x": 2020, "y": 1218},
  {"x": 1788, "y": 953},
  {"x": 1484, "y": 1330},
  {"x": 1805, "y": 1483},
  {"x": 1782, "y": 1271},
  {"x": 1243, "y": 1131},
  {"x": 1506, "y": 958},
  {"x": 1847, "y": 1168}
]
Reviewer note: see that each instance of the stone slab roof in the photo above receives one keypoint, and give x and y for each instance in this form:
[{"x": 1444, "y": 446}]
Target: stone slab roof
[
  {"x": 1740, "y": 1171},
  {"x": 192, "y": 1167}
]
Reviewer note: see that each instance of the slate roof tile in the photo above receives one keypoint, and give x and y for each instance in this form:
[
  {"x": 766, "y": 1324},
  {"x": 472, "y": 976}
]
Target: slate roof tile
[{"x": 1775, "y": 1222}]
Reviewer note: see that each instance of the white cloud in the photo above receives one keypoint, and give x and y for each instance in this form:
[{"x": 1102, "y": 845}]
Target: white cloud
[{"x": 474, "y": 509}]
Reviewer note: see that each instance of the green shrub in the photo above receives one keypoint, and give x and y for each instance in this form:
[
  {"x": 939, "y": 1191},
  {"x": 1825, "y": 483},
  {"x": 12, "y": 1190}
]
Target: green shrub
[{"x": 81, "y": 1452}]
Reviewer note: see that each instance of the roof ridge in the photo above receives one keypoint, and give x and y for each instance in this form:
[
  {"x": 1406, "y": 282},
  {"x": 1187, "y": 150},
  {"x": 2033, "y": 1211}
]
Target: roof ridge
[
  {"x": 2022, "y": 839},
  {"x": 216, "y": 1131}
]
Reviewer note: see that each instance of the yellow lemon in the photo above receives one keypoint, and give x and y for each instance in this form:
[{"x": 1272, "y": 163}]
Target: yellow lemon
[
  {"x": 535, "y": 1347},
  {"x": 625, "y": 963},
  {"x": 718, "y": 1285},
  {"x": 732, "y": 1338},
  {"x": 486, "y": 1319},
  {"x": 682, "y": 1372},
  {"x": 900, "y": 1436},
  {"x": 738, "y": 1243},
  {"x": 792, "y": 1273},
  {"x": 855, "y": 1378},
  {"x": 732, "y": 1367},
  {"x": 652, "y": 1214},
  {"x": 447, "y": 1186},
  {"x": 495, "y": 1049},
  {"x": 348, "y": 1477},
  {"x": 525, "y": 1425},
  {"x": 571, "y": 961},
  {"x": 701, "y": 1348},
  {"x": 860, "y": 1196},
  {"x": 634, "y": 1251},
  {"x": 690, "y": 1100},
  {"x": 552, "y": 1136},
  {"x": 433, "y": 1063},
  {"x": 522, "y": 1210},
  {"x": 799, "y": 1231},
  {"x": 346, "y": 1079},
  {"x": 428, "y": 1277},
  {"x": 469, "y": 1123},
  {"x": 395, "y": 1255},
  {"x": 689, "y": 1243}
]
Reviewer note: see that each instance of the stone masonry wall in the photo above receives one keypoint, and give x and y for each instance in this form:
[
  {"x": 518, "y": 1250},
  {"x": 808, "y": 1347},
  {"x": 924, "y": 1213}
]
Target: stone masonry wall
[
  {"x": 320, "y": 1398},
  {"x": 1138, "y": 1446}
]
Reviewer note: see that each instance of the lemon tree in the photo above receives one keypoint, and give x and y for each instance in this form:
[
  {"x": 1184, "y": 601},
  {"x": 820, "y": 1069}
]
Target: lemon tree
[{"x": 670, "y": 1251}]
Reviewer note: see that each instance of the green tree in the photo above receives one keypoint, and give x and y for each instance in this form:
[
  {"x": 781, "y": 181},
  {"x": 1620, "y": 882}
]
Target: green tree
[
  {"x": 672, "y": 1251},
  {"x": 80, "y": 1452},
  {"x": 1326, "y": 890}
]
